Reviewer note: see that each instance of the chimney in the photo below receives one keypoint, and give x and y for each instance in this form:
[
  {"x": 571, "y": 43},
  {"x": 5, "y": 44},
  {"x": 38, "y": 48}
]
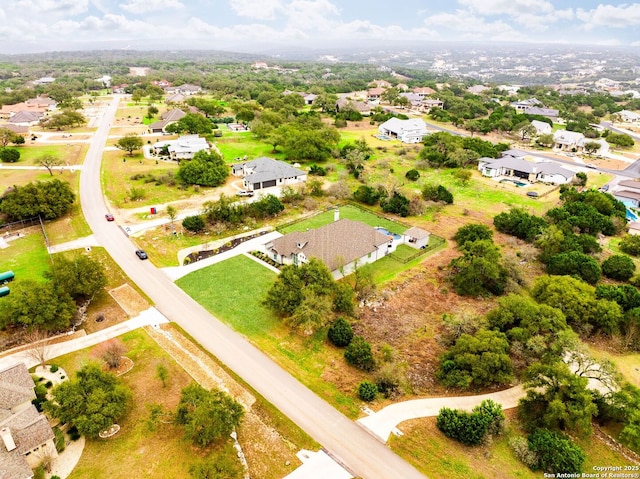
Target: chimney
[
  {"x": 336, "y": 214},
  {"x": 7, "y": 438}
]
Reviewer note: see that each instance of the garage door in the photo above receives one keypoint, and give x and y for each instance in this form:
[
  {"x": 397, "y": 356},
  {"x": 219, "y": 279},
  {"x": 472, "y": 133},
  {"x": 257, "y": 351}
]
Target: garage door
[{"x": 268, "y": 184}]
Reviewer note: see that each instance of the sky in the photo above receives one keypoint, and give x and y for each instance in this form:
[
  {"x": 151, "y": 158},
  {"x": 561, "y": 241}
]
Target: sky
[{"x": 28, "y": 26}]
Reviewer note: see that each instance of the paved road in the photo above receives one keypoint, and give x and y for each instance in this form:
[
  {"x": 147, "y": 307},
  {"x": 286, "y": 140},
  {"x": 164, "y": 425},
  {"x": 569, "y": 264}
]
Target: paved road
[{"x": 360, "y": 451}]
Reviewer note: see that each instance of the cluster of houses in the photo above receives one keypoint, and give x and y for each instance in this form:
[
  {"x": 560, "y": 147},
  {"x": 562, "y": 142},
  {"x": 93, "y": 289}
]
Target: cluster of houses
[
  {"x": 20, "y": 116},
  {"x": 26, "y": 437}
]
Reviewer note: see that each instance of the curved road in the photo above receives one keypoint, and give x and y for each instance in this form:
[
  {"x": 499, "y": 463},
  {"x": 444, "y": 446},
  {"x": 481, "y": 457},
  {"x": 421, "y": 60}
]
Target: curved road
[{"x": 351, "y": 445}]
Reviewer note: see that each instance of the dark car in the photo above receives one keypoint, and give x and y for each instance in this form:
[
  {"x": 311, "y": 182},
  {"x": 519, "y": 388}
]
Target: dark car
[
  {"x": 532, "y": 194},
  {"x": 109, "y": 217},
  {"x": 244, "y": 193},
  {"x": 141, "y": 254}
]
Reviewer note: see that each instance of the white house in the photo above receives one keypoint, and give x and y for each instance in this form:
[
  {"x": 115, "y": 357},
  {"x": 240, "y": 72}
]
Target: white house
[
  {"x": 518, "y": 167},
  {"x": 416, "y": 237},
  {"x": 407, "y": 131},
  {"x": 184, "y": 148},
  {"x": 341, "y": 245},
  {"x": 573, "y": 141},
  {"x": 629, "y": 116},
  {"x": 266, "y": 172},
  {"x": 542, "y": 128}
]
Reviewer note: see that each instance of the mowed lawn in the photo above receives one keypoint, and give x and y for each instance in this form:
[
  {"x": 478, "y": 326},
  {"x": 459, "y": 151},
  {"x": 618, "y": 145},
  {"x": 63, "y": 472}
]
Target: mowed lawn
[
  {"x": 26, "y": 255},
  {"x": 349, "y": 212},
  {"x": 233, "y": 290}
]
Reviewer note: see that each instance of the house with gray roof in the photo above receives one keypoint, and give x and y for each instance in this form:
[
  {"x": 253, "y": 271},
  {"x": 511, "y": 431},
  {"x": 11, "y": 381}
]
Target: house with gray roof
[
  {"x": 166, "y": 119},
  {"x": 629, "y": 116},
  {"x": 341, "y": 245},
  {"x": 518, "y": 167},
  {"x": 550, "y": 113},
  {"x": 25, "y": 434},
  {"x": 184, "y": 148},
  {"x": 542, "y": 127},
  {"x": 412, "y": 130},
  {"x": 266, "y": 172},
  {"x": 26, "y": 118},
  {"x": 345, "y": 103}
]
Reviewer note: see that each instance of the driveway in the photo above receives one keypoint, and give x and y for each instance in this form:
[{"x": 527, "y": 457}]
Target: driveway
[{"x": 382, "y": 423}]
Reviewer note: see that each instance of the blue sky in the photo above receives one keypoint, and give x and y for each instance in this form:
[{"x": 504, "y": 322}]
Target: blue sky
[{"x": 258, "y": 25}]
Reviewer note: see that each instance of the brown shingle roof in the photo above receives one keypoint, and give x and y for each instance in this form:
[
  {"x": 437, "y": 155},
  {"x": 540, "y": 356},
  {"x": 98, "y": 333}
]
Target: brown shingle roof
[
  {"x": 16, "y": 386},
  {"x": 335, "y": 244},
  {"x": 634, "y": 195},
  {"x": 33, "y": 435},
  {"x": 630, "y": 184},
  {"x": 13, "y": 465}
]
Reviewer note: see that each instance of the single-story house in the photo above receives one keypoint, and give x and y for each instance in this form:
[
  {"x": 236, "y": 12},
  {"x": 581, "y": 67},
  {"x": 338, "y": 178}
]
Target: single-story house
[
  {"x": 374, "y": 94},
  {"x": 414, "y": 99},
  {"x": 166, "y": 119},
  {"x": 25, "y": 434},
  {"x": 26, "y": 118},
  {"x": 522, "y": 105},
  {"x": 604, "y": 145},
  {"x": 630, "y": 185},
  {"x": 567, "y": 140},
  {"x": 416, "y": 237},
  {"x": 550, "y": 113},
  {"x": 518, "y": 167},
  {"x": 629, "y": 116},
  {"x": 266, "y": 172},
  {"x": 542, "y": 128},
  {"x": 628, "y": 197},
  {"x": 186, "y": 89},
  {"x": 237, "y": 127},
  {"x": 634, "y": 228},
  {"x": 308, "y": 98},
  {"x": 18, "y": 129},
  {"x": 423, "y": 91},
  {"x": 346, "y": 104},
  {"x": 7, "y": 111},
  {"x": 340, "y": 245},
  {"x": 175, "y": 99},
  {"x": 412, "y": 130},
  {"x": 429, "y": 103},
  {"x": 184, "y": 148},
  {"x": 42, "y": 102}
]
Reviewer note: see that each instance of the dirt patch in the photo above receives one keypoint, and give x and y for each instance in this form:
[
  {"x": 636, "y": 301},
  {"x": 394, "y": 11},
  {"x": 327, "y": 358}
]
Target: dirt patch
[{"x": 129, "y": 300}]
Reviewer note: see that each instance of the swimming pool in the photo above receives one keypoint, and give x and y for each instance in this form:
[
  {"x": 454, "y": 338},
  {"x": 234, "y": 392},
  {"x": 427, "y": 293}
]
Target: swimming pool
[
  {"x": 387, "y": 232},
  {"x": 519, "y": 184}
]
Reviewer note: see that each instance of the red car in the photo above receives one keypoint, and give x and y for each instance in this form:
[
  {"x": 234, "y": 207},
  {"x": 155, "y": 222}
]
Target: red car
[{"x": 109, "y": 217}]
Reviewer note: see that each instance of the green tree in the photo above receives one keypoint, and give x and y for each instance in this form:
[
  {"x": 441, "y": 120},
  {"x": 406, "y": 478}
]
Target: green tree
[
  {"x": 412, "y": 175},
  {"x": 519, "y": 223},
  {"x": 37, "y": 305},
  {"x": 313, "y": 312},
  {"x": 480, "y": 270},
  {"x": 208, "y": 416},
  {"x": 471, "y": 428},
  {"x": 431, "y": 192},
  {"x": 557, "y": 399},
  {"x": 555, "y": 453},
  {"x": 574, "y": 263},
  {"x": 129, "y": 143},
  {"x": 7, "y": 136},
  {"x": 618, "y": 266},
  {"x": 358, "y": 353},
  {"x": 191, "y": 123},
  {"x": 152, "y": 111},
  {"x": 630, "y": 244},
  {"x": 590, "y": 147},
  {"x": 49, "y": 162},
  {"x": 340, "y": 333},
  {"x": 478, "y": 360},
  {"x": 397, "y": 204},
  {"x": 205, "y": 169},
  {"x": 9, "y": 155},
  {"x": 367, "y": 195},
  {"x": 50, "y": 199},
  {"x": 225, "y": 465},
  {"x": 464, "y": 176},
  {"x": 472, "y": 232},
  {"x": 81, "y": 277},
  {"x": 92, "y": 402},
  {"x": 367, "y": 391}
]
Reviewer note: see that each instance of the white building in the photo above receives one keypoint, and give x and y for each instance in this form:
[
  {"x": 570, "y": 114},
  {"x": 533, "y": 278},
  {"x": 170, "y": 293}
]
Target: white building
[
  {"x": 266, "y": 172},
  {"x": 184, "y": 148},
  {"x": 407, "y": 131}
]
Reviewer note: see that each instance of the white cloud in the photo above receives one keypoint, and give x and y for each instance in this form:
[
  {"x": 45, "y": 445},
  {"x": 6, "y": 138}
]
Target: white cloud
[
  {"x": 508, "y": 7},
  {"x": 312, "y": 14},
  {"x": 623, "y": 16},
  {"x": 474, "y": 27},
  {"x": 61, "y": 7},
  {"x": 257, "y": 9},
  {"x": 145, "y": 6}
]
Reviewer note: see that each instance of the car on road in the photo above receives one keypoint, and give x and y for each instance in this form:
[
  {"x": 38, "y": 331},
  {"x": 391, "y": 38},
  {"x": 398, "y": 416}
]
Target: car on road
[
  {"x": 589, "y": 165},
  {"x": 141, "y": 254},
  {"x": 244, "y": 193},
  {"x": 109, "y": 217},
  {"x": 604, "y": 188}
]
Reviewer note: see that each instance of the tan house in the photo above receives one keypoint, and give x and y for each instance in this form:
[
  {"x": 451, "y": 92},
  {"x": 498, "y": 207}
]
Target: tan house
[
  {"x": 25, "y": 435},
  {"x": 341, "y": 245},
  {"x": 166, "y": 119}
]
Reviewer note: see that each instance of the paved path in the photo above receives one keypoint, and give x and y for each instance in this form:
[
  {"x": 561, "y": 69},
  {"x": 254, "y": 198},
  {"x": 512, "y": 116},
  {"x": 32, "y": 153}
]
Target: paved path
[
  {"x": 177, "y": 272},
  {"x": 384, "y": 422},
  {"x": 149, "y": 317},
  {"x": 85, "y": 242}
]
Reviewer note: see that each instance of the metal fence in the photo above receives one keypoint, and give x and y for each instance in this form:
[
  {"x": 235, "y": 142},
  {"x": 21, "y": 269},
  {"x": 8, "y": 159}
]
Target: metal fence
[{"x": 435, "y": 242}]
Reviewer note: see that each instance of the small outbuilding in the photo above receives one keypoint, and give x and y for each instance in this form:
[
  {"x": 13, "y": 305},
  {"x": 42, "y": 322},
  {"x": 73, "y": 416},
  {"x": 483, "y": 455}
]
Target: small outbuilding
[{"x": 416, "y": 237}]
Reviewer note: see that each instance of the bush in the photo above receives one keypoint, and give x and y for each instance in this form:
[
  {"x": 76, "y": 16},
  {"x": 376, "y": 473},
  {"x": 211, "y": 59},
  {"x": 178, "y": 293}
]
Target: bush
[
  {"x": 471, "y": 428},
  {"x": 437, "y": 193},
  {"x": 195, "y": 223},
  {"x": 367, "y": 391},
  {"x": 520, "y": 448},
  {"x": 574, "y": 263},
  {"x": 412, "y": 175},
  {"x": 74, "y": 434},
  {"x": 472, "y": 232},
  {"x": 340, "y": 333},
  {"x": 9, "y": 155},
  {"x": 397, "y": 204},
  {"x": 630, "y": 244},
  {"x": 358, "y": 354},
  {"x": 619, "y": 267},
  {"x": 555, "y": 452},
  {"x": 54, "y": 368}
]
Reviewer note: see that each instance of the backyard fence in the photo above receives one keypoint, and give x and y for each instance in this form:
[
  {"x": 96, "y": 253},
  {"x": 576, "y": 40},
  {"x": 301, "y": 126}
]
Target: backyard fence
[{"x": 435, "y": 242}]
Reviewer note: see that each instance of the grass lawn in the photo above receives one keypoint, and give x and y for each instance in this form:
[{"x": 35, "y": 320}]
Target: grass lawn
[
  {"x": 234, "y": 145},
  {"x": 117, "y": 182},
  {"x": 626, "y": 364},
  {"x": 349, "y": 212},
  {"x": 307, "y": 358},
  {"x": 73, "y": 154},
  {"x": 26, "y": 256},
  {"x": 73, "y": 225}
]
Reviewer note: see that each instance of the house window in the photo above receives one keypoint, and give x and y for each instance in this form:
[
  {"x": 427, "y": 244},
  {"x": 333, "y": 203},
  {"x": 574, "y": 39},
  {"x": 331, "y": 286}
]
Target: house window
[
  {"x": 369, "y": 255},
  {"x": 295, "y": 259},
  {"x": 275, "y": 256}
]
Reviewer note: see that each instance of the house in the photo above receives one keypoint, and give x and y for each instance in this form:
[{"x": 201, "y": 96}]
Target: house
[
  {"x": 477, "y": 89},
  {"x": 174, "y": 99},
  {"x": 416, "y": 238},
  {"x": 629, "y": 116},
  {"x": 604, "y": 145},
  {"x": 341, "y": 245},
  {"x": 184, "y": 148},
  {"x": 308, "y": 98},
  {"x": 522, "y": 169},
  {"x": 266, "y": 172},
  {"x": 429, "y": 103},
  {"x": 634, "y": 228},
  {"x": 415, "y": 100},
  {"x": 44, "y": 81},
  {"x": 550, "y": 113},
  {"x": 381, "y": 83},
  {"x": 346, "y": 104},
  {"x": 522, "y": 105},
  {"x": 374, "y": 94},
  {"x": 17, "y": 129},
  {"x": 25, "y": 434},
  {"x": 628, "y": 197},
  {"x": 542, "y": 128},
  {"x": 567, "y": 140},
  {"x": 26, "y": 118},
  {"x": 186, "y": 89},
  {"x": 423, "y": 91},
  {"x": 166, "y": 119},
  {"x": 40, "y": 102},
  {"x": 631, "y": 185},
  {"x": 407, "y": 131},
  {"x": 7, "y": 111}
]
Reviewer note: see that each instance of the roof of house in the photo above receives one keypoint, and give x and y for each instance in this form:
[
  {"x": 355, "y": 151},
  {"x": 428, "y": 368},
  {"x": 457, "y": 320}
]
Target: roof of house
[
  {"x": 512, "y": 163},
  {"x": 184, "y": 144},
  {"x": 265, "y": 169},
  {"x": 528, "y": 102},
  {"x": 398, "y": 126},
  {"x": 551, "y": 168},
  {"x": 173, "y": 115},
  {"x": 424, "y": 90},
  {"x": 417, "y": 233},
  {"x": 25, "y": 117},
  {"x": 534, "y": 110},
  {"x": 32, "y": 435},
  {"x": 335, "y": 244},
  {"x": 633, "y": 195},
  {"x": 16, "y": 386},
  {"x": 515, "y": 152},
  {"x": 356, "y": 105},
  {"x": 630, "y": 184},
  {"x": 41, "y": 101},
  {"x": 15, "y": 128},
  {"x": 14, "y": 465},
  {"x": 376, "y": 91},
  {"x": 567, "y": 137},
  {"x": 540, "y": 125},
  {"x": 629, "y": 114},
  {"x": 175, "y": 98}
]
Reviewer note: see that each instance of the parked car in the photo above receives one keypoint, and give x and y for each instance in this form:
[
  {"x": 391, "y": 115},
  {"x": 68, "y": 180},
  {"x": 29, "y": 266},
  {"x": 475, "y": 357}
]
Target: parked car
[
  {"x": 532, "y": 194},
  {"x": 141, "y": 254},
  {"x": 604, "y": 188},
  {"x": 244, "y": 193},
  {"x": 109, "y": 217}
]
